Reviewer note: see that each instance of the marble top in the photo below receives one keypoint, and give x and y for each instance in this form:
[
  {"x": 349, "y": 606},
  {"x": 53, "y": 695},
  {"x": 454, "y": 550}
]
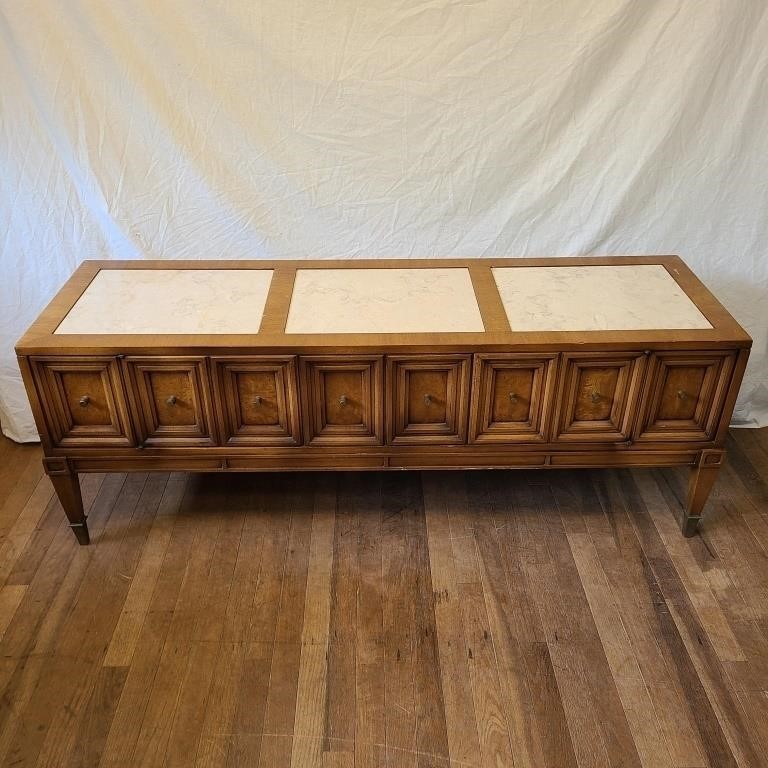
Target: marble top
[
  {"x": 624, "y": 297},
  {"x": 155, "y": 301},
  {"x": 386, "y": 300},
  {"x": 395, "y": 300}
]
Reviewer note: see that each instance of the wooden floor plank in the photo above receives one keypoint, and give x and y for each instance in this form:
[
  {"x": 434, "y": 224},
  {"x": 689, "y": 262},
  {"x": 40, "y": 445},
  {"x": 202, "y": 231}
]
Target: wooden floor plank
[
  {"x": 96, "y": 610},
  {"x": 622, "y": 561},
  {"x": 310, "y": 719},
  {"x": 513, "y": 630},
  {"x": 340, "y": 691},
  {"x": 721, "y": 725},
  {"x": 398, "y": 503},
  {"x": 176, "y": 655},
  {"x": 462, "y": 737},
  {"x": 384, "y": 620},
  {"x": 31, "y": 640},
  {"x": 134, "y": 610}
]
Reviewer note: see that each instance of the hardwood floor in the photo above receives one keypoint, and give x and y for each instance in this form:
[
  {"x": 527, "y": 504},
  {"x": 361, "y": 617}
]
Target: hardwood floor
[{"x": 386, "y": 620}]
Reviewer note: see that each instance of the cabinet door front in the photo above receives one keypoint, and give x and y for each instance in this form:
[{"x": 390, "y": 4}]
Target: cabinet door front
[
  {"x": 428, "y": 397},
  {"x": 685, "y": 395},
  {"x": 511, "y": 398},
  {"x": 83, "y": 401},
  {"x": 171, "y": 401},
  {"x": 342, "y": 398},
  {"x": 598, "y": 396},
  {"x": 256, "y": 400}
]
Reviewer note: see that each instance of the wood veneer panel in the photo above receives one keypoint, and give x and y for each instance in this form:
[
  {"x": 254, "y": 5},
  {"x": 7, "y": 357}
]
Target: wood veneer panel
[
  {"x": 427, "y": 398},
  {"x": 222, "y": 401},
  {"x": 685, "y": 395},
  {"x": 83, "y": 401},
  {"x": 257, "y": 400},
  {"x": 512, "y": 398},
  {"x": 41, "y": 339},
  {"x": 342, "y": 400},
  {"x": 171, "y": 400},
  {"x": 598, "y": 396}
]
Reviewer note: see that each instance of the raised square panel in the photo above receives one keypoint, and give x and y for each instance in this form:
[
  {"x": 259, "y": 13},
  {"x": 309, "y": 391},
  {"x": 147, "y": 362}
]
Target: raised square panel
[
  {"x": 343, "y": 400},
  {"x": 685, "y": 395},
  {"x": 622, "y": 297},
  {"x": 511, "y": 398},
  {"x": 428, "y": 397},
  {"x": 183, "y": 301},
  {"x": 598, "y": 396},
  {"x": 171, "y": 401},
  {"x": 383, "y": 301},
  {"x": 83, "y": 401},
  {"x": 257, "y": 400}
]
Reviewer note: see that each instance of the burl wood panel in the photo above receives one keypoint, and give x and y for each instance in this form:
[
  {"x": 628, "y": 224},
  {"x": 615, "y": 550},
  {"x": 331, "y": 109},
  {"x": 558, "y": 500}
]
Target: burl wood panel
[
  {"x": 428, "y": 398},
  {"x": 685, "y": 395},
  {"x": 171, "y": 401},
  {"x": 598, "y": 396},
  {"x": 512, "y": 398},
  {"x": 257, "y": 400},
  {"x": 83, "y": 401},
  {"x": 342, "y": 400}
]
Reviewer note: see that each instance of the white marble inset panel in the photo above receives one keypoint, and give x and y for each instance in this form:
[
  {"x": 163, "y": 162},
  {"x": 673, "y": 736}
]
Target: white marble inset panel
[
  {"x": 184, "y": 301},
  {"x": 624, "y": 297},
  {"x": 408, "y": 300}
]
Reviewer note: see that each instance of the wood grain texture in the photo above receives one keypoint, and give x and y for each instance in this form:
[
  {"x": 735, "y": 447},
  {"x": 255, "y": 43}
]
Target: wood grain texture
[
  {"x": 83, "y": 401},
  {"x": 342, "y": 400},
  {"x": 40, "y": 338},
  {"x": 283, "y": 401},
  {"x": 520, "y": 620},
  {"x": 171, "y": 401},
  {"x": 257, "y": 400}
]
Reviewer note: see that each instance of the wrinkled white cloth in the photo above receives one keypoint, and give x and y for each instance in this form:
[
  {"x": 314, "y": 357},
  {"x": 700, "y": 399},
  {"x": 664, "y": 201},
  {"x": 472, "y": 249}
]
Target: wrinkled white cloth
[{"x": 138, "y": 129}]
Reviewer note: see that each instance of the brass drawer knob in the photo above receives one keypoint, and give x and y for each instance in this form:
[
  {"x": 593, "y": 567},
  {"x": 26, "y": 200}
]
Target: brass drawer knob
[
  {"x": 595, "y": 397},
  {"x": 171, "y": 400},
  {"x": 427, "y": 399},
  {"x": 682, "y": 394},
  {"x": 513, "y": 397},
  {"x": 258, "y": 400},
  {"x": 343, "y": 401},
  {"x": 84, "y": 401}
]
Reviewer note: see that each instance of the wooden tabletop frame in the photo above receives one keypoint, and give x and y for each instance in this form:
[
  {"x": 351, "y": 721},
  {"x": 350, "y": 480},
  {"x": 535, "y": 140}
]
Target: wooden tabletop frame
[{"x": 42, "y": 339}]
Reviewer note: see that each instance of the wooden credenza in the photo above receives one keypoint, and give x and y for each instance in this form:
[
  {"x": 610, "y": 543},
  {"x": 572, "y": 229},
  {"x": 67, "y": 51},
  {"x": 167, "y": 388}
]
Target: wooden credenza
[{"x": 407, "y": 364}]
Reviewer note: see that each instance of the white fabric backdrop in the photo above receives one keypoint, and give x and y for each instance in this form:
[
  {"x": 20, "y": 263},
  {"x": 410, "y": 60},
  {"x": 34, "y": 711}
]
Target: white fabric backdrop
[{"x": 297, "y": 128}]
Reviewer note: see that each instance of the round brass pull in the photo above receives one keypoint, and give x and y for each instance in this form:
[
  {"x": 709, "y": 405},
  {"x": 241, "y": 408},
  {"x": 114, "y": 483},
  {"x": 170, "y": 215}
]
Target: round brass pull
[
  {"x": 595, "y": 397},
  {"x": 343, "y": 400},
  {"x": 682, "y": 394},
  {"x": 84, "y": 401},
  {"x": 171, "y": 400},
  {"x": 258, "y": 400},
  {"x": 513, "y": 397},
  {"x": 427, "y": 399}
]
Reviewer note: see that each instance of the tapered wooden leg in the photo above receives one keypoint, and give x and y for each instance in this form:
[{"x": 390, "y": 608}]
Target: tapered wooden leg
[
  {"x": 67, "y": 487},
  {"x": 700, "y": 483}
]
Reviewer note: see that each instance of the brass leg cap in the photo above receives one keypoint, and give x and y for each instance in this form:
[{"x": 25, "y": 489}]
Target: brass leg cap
[{"x": 81, "y": 533}]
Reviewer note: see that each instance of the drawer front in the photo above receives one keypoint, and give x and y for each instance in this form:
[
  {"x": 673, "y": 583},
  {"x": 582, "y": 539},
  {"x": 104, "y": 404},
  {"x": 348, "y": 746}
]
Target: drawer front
[
  {"x": 342, "y": 400},
  {"x": 598, "y": 397},
  {"x": 171, "y": 401},
  {"x": 685, "y": 395},
  {"x": 428, "y": 397},
  {"x": 257, "y": 400},
  {"x": 83, "y": 401},
  {"x": 511, "y": 398}
]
